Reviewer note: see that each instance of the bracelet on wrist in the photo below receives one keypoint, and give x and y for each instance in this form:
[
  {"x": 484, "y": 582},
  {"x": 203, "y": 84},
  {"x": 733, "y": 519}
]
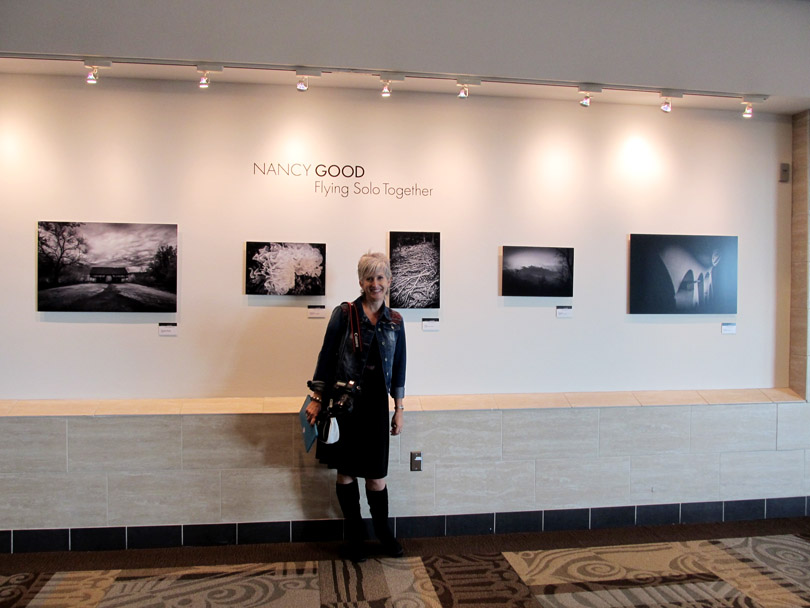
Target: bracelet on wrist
[
  {"x": 399, "y": 407},
  {"x": 315, "y": 399}
]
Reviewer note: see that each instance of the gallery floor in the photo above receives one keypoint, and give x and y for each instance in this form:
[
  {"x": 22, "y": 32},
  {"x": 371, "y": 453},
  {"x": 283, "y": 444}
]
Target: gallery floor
[{"x": 754, "y": 564}]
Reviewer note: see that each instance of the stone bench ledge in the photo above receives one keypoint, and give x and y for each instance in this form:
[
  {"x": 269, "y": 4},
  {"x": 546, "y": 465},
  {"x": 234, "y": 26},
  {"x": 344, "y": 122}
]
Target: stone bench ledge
[{"x": 426, "y": 403}]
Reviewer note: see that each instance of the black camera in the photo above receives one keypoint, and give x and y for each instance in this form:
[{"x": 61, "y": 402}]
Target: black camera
[{"x": 342, "y": 400}]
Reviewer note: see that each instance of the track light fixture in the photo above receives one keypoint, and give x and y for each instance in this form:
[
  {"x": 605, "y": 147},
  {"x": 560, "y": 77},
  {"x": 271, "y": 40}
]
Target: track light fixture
[
  {"x": 386, "y": 79},
  {"x": 205, "y": 69},
  {"x": 749, "y": 101},
  {"x": 464, "y": 83},
  {"x": 303, "y": 78},
  {"x": 585, "y": 102},
  {"x": 749, "y": 111},
  {"x": 93, "y": 65},
  {"x": 667, "y": 96}
]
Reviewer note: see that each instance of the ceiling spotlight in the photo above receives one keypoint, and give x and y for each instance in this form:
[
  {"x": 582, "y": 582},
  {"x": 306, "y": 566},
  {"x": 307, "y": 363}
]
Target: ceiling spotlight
[
  {"x": 666, "y": 105},
  {"x": 304, "y": 75},
  {"x": 749, "y": 111},
  {"x": 464, "y": 83},
  {"x": 585, "y": 102},
  {"x": 205, "y": 69},
  {"x": 93, "y": 65},
  {"x": 386, "y": 90}
]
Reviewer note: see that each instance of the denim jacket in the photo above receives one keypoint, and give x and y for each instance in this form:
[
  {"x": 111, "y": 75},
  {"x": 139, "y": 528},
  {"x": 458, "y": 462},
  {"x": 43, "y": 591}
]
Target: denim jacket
[{"x": 338, "y": 361}]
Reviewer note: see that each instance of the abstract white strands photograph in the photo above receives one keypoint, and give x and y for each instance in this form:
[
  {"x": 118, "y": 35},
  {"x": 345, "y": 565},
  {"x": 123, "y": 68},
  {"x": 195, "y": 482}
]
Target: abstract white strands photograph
[
  {"x": 415, "y": 269},
  {"x": 285, "y": 269},
  {"x": 683, "y": 274},
  {"x": 106, "y": 267},
  {"x": 537, "y": 271}
]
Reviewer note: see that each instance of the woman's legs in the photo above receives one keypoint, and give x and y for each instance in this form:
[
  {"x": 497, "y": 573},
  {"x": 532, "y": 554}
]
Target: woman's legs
[
  {"x": 348, "y": 494},
  {"x": 377, "y": 495}
]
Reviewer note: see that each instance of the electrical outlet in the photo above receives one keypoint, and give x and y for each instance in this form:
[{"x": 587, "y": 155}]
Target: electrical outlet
[{"x": 416, "y": 461}]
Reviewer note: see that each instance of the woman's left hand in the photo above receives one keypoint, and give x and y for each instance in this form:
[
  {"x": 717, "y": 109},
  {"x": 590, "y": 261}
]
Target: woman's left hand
[{"x": 396, "y": 422}]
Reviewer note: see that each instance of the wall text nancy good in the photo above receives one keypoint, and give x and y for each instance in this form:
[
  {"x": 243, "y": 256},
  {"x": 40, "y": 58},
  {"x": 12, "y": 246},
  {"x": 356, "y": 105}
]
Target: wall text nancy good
[{"x": 304, "y": 169}]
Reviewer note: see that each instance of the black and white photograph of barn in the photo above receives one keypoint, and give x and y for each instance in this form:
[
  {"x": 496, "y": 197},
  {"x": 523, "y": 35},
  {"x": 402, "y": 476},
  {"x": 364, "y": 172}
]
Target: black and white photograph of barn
[
  {"x": 415, "y": 269},
  {"x": 537, "y": 271},
  {"x": 106, "y": 267},
  {"x": 285, "y": 269},
  {"x": 683, "y": 274}
]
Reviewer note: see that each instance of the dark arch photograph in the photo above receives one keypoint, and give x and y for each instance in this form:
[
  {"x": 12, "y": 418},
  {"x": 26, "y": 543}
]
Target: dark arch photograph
[{"x": 683, "y": 274}]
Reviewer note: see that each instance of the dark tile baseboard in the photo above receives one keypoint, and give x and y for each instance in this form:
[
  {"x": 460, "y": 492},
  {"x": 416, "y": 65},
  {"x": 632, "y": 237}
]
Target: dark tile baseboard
[{"x": 328, "y": 530}]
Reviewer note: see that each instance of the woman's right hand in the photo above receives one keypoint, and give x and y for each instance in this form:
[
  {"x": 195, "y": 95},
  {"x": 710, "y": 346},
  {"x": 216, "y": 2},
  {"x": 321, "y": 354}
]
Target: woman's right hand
[{"x": 313, "y": 409}]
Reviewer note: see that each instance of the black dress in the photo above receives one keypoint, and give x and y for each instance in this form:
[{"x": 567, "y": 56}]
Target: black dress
[{"x": 362, "y": 450}]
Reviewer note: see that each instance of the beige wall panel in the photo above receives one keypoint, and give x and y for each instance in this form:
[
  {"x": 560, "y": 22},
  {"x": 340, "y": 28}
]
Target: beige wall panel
[
  {"x": 630, "y": 431},
  {"x": 123, "y": 443},
  {"x": 798, "y": 373},
  {"x": 761, "y": 474},
  {"x": 485, "y": 487},
  {"x": 550, "y": 433},
  {"x": 580, "y": 482},
  {"x": 164, "y": 497},
  {"x": 793, "y": 428},
  {"x": 409, "y": 492},
  {"x": 33, "y": 444},
  {"x": 235, "y": 441},
  {"x": 734, "y": 428},
  {"x": 675, "y": 478},
  {"x": 277, "y": 494},
  {"x": 53, "y": 500},
  {"x": 449, "y": 437}
]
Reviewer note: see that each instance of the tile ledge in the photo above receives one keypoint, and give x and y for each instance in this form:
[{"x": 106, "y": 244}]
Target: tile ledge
[{"x": 426, "y": 403}]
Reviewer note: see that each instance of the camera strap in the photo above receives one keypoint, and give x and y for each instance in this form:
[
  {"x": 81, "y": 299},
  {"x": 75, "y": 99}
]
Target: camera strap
[{"x": 354, "y": 328}]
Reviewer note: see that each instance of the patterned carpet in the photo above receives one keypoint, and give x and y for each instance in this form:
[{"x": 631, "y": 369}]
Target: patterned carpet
[{"x": 752, "y": 572}]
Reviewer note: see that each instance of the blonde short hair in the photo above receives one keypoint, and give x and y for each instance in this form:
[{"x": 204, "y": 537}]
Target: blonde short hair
[{"x": 373, "y": 263}]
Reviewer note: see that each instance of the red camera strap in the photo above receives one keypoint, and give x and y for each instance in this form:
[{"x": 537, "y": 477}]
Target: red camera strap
[{"x": 354, "y": 328}]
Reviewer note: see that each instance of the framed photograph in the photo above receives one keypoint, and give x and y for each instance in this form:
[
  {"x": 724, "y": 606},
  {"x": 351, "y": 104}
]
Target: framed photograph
[
  {"x": 537, "y": 271},
  {"x": 677, "y": 274},
  {"x": 415, "y": 269},
  {"x": 285, "y": 269},
  {"x": 101, "y": 267}
]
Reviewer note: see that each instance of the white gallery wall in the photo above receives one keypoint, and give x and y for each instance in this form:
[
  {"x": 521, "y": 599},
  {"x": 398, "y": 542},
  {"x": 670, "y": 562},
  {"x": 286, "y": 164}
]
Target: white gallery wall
[{"x": 500, "y": 172}]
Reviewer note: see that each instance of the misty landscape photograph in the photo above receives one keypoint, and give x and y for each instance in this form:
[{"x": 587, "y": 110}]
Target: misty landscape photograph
[
  {"x": 537, "y": 271},
  {"x": 285, "y": 269},
  {"x": 106, "y": 267},
  {"x": 415, "y": 269},
  {"x": 683, "y": 274}
]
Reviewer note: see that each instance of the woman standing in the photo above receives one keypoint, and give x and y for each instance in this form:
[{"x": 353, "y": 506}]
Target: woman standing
[{"x": 364, "y": 342}]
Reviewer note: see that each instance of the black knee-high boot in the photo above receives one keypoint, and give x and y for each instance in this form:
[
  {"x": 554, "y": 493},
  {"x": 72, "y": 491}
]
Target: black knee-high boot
[
  {"x": 378, "y": 505},
  {"x": 348, "y": 495}
]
